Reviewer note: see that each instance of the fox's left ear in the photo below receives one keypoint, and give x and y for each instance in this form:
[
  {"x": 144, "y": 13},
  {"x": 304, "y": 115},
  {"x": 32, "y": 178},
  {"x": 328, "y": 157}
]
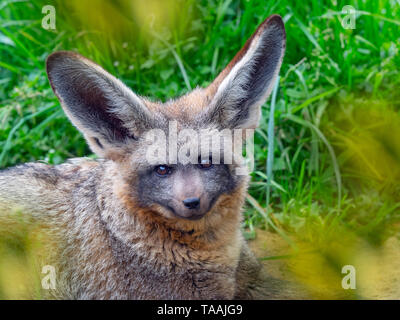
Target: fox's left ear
[{"x": 238, "y": 92}]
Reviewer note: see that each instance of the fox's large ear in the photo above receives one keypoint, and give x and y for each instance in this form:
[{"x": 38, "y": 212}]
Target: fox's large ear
[
  {"x": 99, "y": 105},
  {"x": 238, "y": 92}
]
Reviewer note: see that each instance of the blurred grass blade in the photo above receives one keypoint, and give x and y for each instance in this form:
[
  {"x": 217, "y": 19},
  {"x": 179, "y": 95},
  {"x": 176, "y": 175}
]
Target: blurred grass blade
[
  {"x": 6, "y": 40},
  {"x": 270, "y": 156},
  {"x": 9, "y": 67},
  {"x": 5, "y": 3},
  {"x": 315, "y": 98},
  {"x": 268, "y": 220},
  {"x": 177, "y": 58},
  {"x": 273, "y": 183}
]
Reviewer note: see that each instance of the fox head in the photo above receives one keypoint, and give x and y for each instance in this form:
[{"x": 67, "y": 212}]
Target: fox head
[{"x": 115, "y": 122}]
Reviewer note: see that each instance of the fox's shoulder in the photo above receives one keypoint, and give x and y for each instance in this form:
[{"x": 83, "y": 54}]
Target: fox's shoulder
[
  {"x": 39, "y": 186},
  {"x": 51, "y": 175},
  {"x": 80, "y": 167}
]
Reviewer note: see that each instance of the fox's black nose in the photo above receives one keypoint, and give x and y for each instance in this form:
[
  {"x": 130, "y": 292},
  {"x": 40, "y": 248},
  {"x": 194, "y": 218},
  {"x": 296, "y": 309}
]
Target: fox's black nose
[{"x": 191, "y": 203}]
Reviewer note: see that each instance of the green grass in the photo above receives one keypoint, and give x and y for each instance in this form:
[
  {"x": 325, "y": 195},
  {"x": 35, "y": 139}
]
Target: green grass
[{"x": 161, "y": 49}]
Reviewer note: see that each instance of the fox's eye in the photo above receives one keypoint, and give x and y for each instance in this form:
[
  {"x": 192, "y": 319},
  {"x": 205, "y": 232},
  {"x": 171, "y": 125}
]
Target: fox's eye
[
  {"x": 162, "y": 170},
  {"x": 205, "y": 164}
]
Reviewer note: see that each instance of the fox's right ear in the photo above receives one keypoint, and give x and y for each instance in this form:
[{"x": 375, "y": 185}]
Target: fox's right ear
[{"x": 99, "y": 105}]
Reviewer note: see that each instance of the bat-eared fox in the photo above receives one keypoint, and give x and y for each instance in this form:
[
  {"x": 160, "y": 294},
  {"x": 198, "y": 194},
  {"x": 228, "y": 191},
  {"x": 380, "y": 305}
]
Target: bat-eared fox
[{"x": 129, "y": 228}]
